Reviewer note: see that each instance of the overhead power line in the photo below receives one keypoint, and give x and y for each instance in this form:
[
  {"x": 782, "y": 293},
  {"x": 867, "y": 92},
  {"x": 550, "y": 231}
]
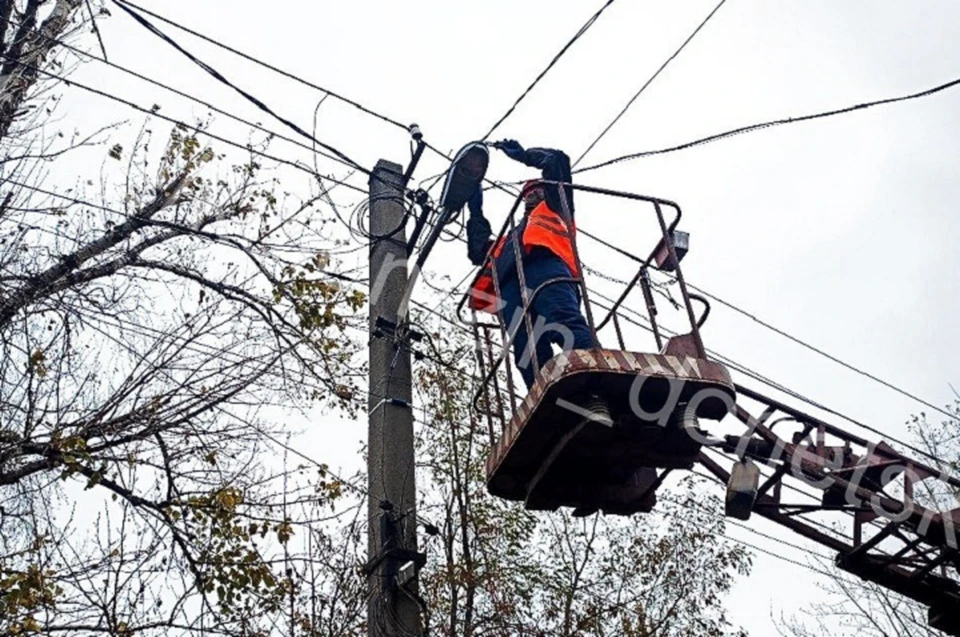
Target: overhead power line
[
  {"x": 727, "y": 361},
  {"x": 266, "y": 65},
  {"x": 287, "y": 74},
  {"x": 586, "y": 26},
  {"x": 823, "y": 353},
  {"x": 738, "y": 367},
  {"x": 427, "y": 415},
  {"x": 155, "y": 113},
  {"x": 580, "y": 33},
  {"x": 785, "y": 334},
  {"x": 180, "y": 93},
  {"x": 248, "y": 96},
  {"x": 743, "y": 369},
  {"x": 750, "y": 372},
  {"x": 770, "y": 124},
  {"x": 295, "y": 78},
  {"x": 648, "y": 83},
  {"x": 747, "y": 371}
]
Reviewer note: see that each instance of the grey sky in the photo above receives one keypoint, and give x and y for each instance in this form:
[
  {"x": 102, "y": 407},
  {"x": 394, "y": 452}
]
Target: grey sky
[{"x": 839, "y": 231}]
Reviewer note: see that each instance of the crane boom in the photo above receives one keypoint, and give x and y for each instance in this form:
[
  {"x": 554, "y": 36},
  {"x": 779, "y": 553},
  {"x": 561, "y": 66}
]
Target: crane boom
[{"x": 902, "y": 513}]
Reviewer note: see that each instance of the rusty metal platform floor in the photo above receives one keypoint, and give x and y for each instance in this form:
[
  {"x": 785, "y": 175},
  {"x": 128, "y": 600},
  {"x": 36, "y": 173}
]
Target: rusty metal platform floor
[{"x": 550, "y": 455}]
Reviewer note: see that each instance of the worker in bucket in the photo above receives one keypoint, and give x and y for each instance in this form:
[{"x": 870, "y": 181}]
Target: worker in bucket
[{"x": 547, "y": 252}]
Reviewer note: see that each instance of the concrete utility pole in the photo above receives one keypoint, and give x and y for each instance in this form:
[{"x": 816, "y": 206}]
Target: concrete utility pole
[{"x": 390, "y": 463}]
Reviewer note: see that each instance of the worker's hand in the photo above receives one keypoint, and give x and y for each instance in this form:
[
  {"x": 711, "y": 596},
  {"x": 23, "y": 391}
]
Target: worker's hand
[
  {"x": 476, "y": 203},
  {"x": 478, "y": 238},
  {"x": 512, "y": 149}
]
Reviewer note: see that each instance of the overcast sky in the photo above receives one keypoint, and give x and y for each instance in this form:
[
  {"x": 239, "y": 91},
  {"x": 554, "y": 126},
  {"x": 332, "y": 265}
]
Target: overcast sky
[{"x": 840, "y": 231}]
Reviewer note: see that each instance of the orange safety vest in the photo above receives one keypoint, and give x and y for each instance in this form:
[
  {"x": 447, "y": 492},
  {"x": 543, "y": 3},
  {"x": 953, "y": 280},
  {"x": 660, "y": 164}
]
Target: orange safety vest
[{"x": 544, "y": 228}]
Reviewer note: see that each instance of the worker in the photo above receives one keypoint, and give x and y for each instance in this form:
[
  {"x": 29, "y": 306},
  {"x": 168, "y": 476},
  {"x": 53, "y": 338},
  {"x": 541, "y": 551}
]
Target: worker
[{"x": 546, "y": 247}]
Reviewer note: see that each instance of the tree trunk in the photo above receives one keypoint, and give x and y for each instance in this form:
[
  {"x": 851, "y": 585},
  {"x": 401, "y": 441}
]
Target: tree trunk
[{"x": 27, "y": 55}]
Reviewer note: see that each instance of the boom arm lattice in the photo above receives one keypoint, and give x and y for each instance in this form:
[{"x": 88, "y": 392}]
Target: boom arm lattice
[{"x": 901, "y": 514}]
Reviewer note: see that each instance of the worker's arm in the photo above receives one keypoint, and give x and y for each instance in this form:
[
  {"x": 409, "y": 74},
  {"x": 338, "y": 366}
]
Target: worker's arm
[
  {"x": 554, "y": 165},
  {"x": 479, "y": 232}
]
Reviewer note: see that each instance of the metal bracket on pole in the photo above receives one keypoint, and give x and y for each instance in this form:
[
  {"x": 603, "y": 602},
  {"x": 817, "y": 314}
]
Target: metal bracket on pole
[
  {"x": 402, "y": 333},
  {"x": 417, "y": 154},
  {"x": 421, "y": 199},
  {"x": 393, "y": 558}
]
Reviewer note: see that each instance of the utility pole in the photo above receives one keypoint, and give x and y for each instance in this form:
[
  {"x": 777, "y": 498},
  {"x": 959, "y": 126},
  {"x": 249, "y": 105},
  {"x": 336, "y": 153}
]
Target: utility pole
[{"x": 393, "y": 559}]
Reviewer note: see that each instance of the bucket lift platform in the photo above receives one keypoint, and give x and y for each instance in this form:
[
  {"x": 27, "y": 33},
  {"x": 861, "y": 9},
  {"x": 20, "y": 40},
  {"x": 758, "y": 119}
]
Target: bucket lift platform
[
  {"x": 554, "y": 452},
  {"x": 601, "y": 428}
]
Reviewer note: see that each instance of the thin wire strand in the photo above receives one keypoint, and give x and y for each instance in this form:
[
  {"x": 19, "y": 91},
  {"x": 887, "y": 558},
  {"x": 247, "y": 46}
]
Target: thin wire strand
[
  {"x": 770, "y": 124},
  {"x": 172, "y": 120},
  {"x": 188, "y": 96},
  {"x": 823, "y": 353},
  {"x": 195, "y": 347},
  {"x": 780, "y": 332},
  {"x": 307, "y": 83},
  {"x": 648, "y": 83},
  {"x": 589, "y": 23},
  {"x": 743, "y": 369},
  {"x": 248, "y": 96},
  {"x": 267, "y": 66},
  {"x": 789, "y": 120}
]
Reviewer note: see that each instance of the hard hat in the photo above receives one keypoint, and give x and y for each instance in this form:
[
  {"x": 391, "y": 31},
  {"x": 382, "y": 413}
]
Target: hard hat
[{"x": 532, "y": 184}]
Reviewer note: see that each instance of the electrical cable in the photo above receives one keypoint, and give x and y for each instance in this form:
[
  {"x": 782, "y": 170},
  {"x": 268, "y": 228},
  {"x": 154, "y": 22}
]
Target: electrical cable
[
  {"x": 287, "y": 75},
  {"x": 589, "y": 23},
  {"x": 363, "y": 491},
  {"x": 335, "y": 275},
  {"x": 580, "y": 33},
  {"x": 248, "y": 96},
  {"x": 267, "y": 66},
  {"x": 179, "y": 93},
  {"x": 780, "y": 557},
  {"x": 806, "y": 494},
  {"x": 283, "y": 73},
  {"x": 770, "y": 124},
  {"x": 155, "y": 113},
  {"x": 752, "y": 374},
  {"x": 714, "y": 480},
  {"x": 823, "y": 353},
  {"x": 356, "y": 225},
  {"x": 778, "y": 386},
  {"x": 300, "y": 80},
  {"x": 349, "y": 484},
  {"x": 738, "y": 367},
  {"x": 776, "y": 330},
  {"x": 207, "y": 349},
  {"x": 647, "y": 83},
  {"x": 188, "y": 345},
  {"x": 145, "y": 330},
  {"x": 733, "y": 364}
]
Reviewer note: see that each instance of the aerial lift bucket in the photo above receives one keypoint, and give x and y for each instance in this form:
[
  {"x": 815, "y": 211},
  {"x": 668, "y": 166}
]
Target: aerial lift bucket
[
  {"x": 555, "y": 452},
  {"x": 601, "y": 428}
]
